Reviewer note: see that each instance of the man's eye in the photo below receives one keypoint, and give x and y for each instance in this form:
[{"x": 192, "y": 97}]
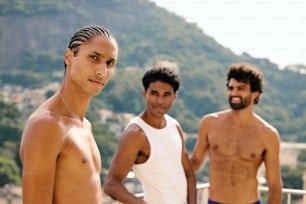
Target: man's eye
[
  {"x": 110, "y": 63},
  {"x": 94, "y": 57}
]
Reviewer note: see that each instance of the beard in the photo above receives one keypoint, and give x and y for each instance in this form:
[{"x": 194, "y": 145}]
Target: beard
[{"x": 244, "y": 102}]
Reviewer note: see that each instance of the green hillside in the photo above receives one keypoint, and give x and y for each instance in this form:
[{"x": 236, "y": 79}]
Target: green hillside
[{"x": 34, "y": 35}]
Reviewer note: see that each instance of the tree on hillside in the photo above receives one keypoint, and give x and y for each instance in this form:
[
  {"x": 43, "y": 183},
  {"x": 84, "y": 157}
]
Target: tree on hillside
[
  {"x": 302, "y": 157},
  {"x": 9, "y": 171},
  {"x": 10, "y": 133},
  {"x": 292, "y": 178},
  {"x": 106, "y": 140}
]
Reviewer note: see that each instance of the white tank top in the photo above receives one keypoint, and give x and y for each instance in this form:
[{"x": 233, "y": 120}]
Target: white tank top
[{"x": 162, "y": 176}]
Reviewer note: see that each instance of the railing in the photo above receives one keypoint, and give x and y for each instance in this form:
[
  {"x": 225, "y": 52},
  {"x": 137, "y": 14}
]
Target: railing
[
  {"x": 204, "y": 188},
  {"x": 289, "y": 193}
]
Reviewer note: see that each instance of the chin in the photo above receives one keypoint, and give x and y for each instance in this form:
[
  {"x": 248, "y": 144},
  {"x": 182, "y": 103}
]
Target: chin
[{"x": 96, "y": 93}]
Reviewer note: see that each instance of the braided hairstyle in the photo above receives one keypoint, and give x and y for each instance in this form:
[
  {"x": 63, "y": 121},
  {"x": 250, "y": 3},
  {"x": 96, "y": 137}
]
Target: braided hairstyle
[{"x": 84, "y": 35}]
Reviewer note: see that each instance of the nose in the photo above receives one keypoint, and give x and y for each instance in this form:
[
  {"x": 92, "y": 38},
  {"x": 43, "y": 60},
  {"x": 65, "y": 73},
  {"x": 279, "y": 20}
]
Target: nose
[
  {"x": 160, "y": 99},
  {"x": 101, "y": 70}
]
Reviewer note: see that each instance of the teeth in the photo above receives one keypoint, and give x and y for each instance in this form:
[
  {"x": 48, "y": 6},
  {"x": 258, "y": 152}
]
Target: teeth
[{"x": 235, "y": 99}]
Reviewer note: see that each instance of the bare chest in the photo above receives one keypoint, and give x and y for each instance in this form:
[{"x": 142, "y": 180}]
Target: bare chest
[
  {"x": 80, "y": 151},
  {"x": 239, "y": 142}
]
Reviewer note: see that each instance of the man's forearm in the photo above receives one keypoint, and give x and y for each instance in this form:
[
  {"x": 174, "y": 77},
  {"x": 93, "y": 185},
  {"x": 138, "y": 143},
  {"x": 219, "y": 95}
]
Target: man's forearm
[
  {"x": 275, "y": 196},
  {"x": 191, "y": 189}
]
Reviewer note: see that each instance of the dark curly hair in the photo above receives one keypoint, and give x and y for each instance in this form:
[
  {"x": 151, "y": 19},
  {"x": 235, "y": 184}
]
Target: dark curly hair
[
  {"x": 162, "y": 74},
  {"x": 247, "y": 73}
]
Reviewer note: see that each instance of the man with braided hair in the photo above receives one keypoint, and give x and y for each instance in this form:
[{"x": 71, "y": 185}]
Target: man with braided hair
[{"x": 60, "y": 158}]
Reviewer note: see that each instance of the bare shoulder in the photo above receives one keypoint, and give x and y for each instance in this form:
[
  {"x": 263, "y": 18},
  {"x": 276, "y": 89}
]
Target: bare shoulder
[
  {"x": 212, "y": 118},
  {"x": 44, "y": 128},
  {"x": 216, "y": 115},
  {"x": 132, "y": 129},
  {"x": 133, "y": 148},
  {"x": 269, "y": 133},
  {"x": 266, "y": 126},
  {"x": 45, "y": 122},
  {"x": 132, "y": 134}
]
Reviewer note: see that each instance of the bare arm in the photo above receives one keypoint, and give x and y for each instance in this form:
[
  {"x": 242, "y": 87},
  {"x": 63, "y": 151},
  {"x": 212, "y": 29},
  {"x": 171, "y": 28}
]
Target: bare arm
[
  {"x": 130, "y": 145},
  {"x": 190, "y": 176},
  {"x": 272, "y": 165},
  {"x": 201, "y": 146},
  {"x": 40, "y": 147}
]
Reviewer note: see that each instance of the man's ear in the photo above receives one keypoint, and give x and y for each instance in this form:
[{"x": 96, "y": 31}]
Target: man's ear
[
  {"x": 256, "y": 96},
  {"x": 68, "y": 56}
]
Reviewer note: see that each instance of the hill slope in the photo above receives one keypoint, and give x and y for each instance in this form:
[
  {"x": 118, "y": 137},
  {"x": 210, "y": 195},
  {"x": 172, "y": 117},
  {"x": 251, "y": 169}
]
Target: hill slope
[{"x": 35, "y": 34}]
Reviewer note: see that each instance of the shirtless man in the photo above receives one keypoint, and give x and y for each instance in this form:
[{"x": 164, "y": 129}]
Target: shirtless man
[
  {"x": 61, "y": 161},
  {"x": 238, "y": 141},
  {"x": 152, "y": 145}
]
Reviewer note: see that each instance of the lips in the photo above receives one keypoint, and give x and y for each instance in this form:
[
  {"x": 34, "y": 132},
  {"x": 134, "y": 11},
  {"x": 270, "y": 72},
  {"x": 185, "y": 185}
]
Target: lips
[
  {"x": 98, "y": 82},
  {"x": 161, "y": 108}
]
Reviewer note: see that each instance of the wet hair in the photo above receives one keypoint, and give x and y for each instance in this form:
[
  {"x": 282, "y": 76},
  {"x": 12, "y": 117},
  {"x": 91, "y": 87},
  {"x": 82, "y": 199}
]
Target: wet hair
[
  {"x": 162, "y": 74},
  {"x": 247, "y": 73},
  {"x": 84, "y": 35}
]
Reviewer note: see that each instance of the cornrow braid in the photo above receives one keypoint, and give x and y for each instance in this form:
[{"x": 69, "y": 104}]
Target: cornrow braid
[{"x": 85, "y": 34}]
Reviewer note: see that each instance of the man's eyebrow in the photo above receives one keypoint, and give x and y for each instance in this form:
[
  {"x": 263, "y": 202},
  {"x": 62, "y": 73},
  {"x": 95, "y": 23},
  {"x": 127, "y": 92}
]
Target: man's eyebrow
[
  {"x": 101, "y": 55},
  {"x": 97, "y": 53},
  {"x": 113, "y": 59},
  {"x": 239, "y": 85}
]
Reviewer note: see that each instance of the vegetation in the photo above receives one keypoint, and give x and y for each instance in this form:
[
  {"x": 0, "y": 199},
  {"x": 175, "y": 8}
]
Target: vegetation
[
  {"x": 10, "y": 131},
  {"x": 28, "y": 8},
  {"x": 146, "y": 35}
]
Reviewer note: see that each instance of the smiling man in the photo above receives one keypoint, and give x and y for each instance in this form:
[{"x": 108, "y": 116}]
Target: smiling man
[
  {"x": 60, "y": 158},
  {"x": 238, "y": 141},
  {"x": 152, "y": 145}
]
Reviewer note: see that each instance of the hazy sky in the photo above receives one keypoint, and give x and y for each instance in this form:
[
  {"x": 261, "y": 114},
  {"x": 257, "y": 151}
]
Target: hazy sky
[{"x": 273, "y": 29}]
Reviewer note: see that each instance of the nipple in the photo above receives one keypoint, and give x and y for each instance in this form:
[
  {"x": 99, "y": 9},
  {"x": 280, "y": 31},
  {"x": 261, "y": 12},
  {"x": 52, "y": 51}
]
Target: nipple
[
  {"x": 215, "y": 147},
  {"x": 253, "y": 155}
]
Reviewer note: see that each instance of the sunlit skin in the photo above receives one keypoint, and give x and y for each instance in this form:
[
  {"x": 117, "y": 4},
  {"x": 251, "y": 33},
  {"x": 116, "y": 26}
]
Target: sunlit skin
[
  {"x": 159, "y": 98},
  {"x": 61, "y": 161},
  {"x": 238, "y": 141},
  {"x": 134, "y": 147},
  {"x": 239, "y": 95},
  {"x": 93, "y": 65}
]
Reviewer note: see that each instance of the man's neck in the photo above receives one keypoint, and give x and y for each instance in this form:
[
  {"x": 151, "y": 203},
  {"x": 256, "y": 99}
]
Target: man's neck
[
  {"x": 242, "y": 117},
  {"x": 156, "y": 122}
]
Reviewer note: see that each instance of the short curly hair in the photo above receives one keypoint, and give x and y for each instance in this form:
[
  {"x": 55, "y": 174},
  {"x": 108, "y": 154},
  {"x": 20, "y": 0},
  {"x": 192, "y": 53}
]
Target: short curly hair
[
  {"x": 247, "y": 73},
  {"x": 162, "y": 74}
]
